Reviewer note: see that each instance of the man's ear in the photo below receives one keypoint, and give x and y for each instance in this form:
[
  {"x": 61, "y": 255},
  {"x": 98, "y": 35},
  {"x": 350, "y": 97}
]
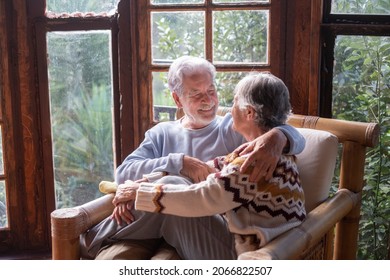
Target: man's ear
[{"x": 177, "y": 100}]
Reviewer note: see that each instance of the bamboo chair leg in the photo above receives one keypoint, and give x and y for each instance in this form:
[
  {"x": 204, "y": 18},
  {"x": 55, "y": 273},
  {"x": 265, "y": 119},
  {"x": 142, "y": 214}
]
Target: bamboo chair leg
[{"x": 346, "y": 234}]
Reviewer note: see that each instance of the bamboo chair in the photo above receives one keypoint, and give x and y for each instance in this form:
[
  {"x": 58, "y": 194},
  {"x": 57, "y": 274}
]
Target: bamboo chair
[{"x": 330, "y": 230}]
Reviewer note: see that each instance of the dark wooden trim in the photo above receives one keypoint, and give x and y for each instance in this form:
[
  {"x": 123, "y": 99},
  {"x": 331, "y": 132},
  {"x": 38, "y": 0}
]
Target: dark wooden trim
[
  {"x": 36, "y": 8},
  {"x": 327, "y": 59},
  {"x": 39, "y": 31},
  {"x": 353, "y": 29},
  {"x": 77, "y": 23},
  {"x": 365, "y": 19},
  {"x": 28, "y": 225},
  {"x": 142, "y": 92},
  {"x": 298, "y": 53},
  {"x": 12, "y": 138},
  {"x": 125, "y": 127},
  {"x": 277, "y": 39},
  {"x": 315, "y": 57}
]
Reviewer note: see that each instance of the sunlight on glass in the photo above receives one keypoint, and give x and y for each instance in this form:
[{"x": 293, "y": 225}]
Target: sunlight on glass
[
  {"x": 1, "y": 152},
  {"x": 361, "y": 7},
  {"x": 240, "y": 36},
  {"x": 66, "y": 6},
  {"x": 225, "y": 83},
  {"x": 175, "y": 34},
  {"x": 169, "y": 2},
  {"x": 80, "y": 86},
  {"x": 241, "y": 1},
  {"x": 164, "y": 108},
  {"x": 3, "y": 195},
  {"x": 3, "y": 205}
]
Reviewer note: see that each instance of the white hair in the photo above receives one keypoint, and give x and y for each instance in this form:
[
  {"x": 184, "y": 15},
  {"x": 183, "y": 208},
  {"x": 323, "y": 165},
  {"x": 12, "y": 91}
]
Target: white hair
[
  {"x": 268, "y": 95},
  {"x": 187, "y": 65}
]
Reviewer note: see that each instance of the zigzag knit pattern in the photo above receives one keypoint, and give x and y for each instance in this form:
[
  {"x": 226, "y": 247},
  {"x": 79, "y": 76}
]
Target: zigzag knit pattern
[{"x": 281, "y": 196}]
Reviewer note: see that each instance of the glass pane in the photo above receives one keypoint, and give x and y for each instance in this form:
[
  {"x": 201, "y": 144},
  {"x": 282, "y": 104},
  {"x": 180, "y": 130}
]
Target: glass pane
[
  {"x": 361, "y": 7},
  {"x": 80, "y": 88},
  {"x": 177, "y": 33},
  {"x": 360, "y": 81},
  {"x": 82, "y": 6},
  {"x": 225, "y": 83},
  {"x": 1, "y": 151},
  {"x": 241, "y": 1},
  {"x": 3, "y": 205},
  {"x": 159, "y": 2},
  {"x": 164, "y": 108},
  {"x": 240, "y": 36},
  {"x": 361, "y": 92}
]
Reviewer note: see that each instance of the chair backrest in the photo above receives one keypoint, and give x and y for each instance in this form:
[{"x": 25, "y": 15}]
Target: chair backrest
[{"x": 316, "y": 165}]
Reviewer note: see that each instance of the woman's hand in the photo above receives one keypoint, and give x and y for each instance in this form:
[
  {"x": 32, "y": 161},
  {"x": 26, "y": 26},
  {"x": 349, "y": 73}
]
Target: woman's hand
[
  {"x": 124, "y": 202},
  {"x": 122, "y": 212}
]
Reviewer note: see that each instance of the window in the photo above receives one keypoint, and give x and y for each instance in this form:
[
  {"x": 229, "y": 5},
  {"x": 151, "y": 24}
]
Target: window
[
  {"x": 69, "y": 7},
  {"x": 58, "y": 84},
  {"x": 357, "y": 64},
  {"x": 3, "y": 193},
  {"x": 234, "y": 35},
  {"x": 80, "y": 90},
  {"x": 78, "y": 80}
]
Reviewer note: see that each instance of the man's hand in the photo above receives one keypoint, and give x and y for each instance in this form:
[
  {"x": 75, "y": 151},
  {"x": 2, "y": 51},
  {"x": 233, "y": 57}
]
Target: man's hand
[
  {"x": 265, "y": 152},
  {"x": 195, "y": 169},
  {"x": 124, "y": 202}
]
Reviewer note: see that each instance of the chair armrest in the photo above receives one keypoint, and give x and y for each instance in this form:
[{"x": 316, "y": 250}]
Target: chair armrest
[
  {"x": 69, "y": 223},
  {"x": 294, "y": 243}
]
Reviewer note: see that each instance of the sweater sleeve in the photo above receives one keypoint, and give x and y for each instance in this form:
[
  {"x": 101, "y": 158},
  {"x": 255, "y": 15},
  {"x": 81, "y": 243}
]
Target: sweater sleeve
[
  {"x": 148, "y": 158},
  {"x": 221, "y": 192},
  {"x": 296, "y": 140}
]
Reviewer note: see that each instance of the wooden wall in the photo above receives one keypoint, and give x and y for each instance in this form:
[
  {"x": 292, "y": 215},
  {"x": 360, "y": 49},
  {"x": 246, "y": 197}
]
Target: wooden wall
[
  {"x": 303, "y": 54},
  {"x": 23, "y": 149}
]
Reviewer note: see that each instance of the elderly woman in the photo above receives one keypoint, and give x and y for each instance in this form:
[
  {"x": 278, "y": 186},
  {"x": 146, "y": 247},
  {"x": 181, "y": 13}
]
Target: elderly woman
[{"x": 227, "y": 202}]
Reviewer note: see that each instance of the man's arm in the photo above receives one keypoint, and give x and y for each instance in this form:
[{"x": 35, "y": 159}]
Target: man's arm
[
  {"x": 265, "y": 151},
  {"x": 295, "y": 141},
  {"x": 149, "y": 157}
]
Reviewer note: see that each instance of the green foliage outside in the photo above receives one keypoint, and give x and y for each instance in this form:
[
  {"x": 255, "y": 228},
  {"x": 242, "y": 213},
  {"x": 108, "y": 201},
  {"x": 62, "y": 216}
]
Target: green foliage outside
[
  {"x": 361, "y": 92},
  {"x": 82, "y": 6},
  {"x": 361, "y": 6},
  {"x": 81, "y": 114},
  {"x": 3, "y": 212}
]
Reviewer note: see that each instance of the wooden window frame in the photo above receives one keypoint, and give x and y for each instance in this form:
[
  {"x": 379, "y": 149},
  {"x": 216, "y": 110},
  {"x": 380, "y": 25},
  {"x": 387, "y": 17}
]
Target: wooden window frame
[
  {"x": 143, "y": 60},
  {"x": 343, "y": 24},
  {"x": 11, "y": 133}
]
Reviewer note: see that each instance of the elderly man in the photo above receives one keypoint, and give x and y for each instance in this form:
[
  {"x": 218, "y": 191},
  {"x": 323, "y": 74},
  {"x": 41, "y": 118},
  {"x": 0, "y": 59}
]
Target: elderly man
[{"x": 181, "y": 147}]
